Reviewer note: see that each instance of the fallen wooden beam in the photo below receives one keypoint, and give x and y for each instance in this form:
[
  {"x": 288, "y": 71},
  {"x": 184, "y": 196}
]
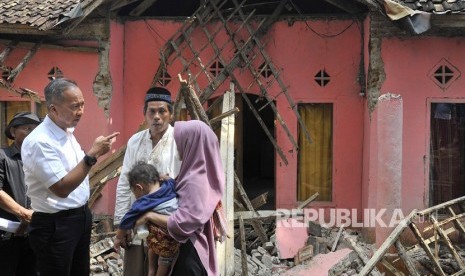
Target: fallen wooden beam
[
  {"x": 391, "y": 268},
  {"x": 257, "y": 225},
  {"x": 243, "y": 247},
  {"x": 224, "y": 115},
  {"x": 337, "y": 238},
  {"x": 308, "y": 200},
  {"x": 361, "y": 254},
  {"x": 257, "y": 202},
  {"x": 370, "y": 265},
  {"x": 191, "y": 99},
  {"x": 406, "y": 259},
  {"x": 14, "y": 73},
  {"x": 6, "y": 52},
  {"x": 261, "y": 214},
  {"x": 106, "y": 167}
]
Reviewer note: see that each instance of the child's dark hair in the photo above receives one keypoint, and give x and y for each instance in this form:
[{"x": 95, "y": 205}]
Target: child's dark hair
[{"x": 144, "y": 173}]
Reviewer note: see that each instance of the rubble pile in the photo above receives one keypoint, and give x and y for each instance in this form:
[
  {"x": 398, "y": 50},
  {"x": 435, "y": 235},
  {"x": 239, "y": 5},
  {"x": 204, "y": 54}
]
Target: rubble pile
[
  {"x": 425, "y": 266},
  {"x": 264, "y": 259},
  {"x": 352, "y": 264},
  {"x": 104, "y": 261}
]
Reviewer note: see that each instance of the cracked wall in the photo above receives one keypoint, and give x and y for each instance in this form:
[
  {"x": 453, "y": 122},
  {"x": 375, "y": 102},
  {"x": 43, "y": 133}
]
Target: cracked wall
[
  {"x": 102, "y": 85},
  {"x": 376, "y": 73}
]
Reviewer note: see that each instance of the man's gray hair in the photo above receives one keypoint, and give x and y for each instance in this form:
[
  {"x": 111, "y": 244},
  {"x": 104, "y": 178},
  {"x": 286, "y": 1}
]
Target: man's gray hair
[{"x": 54, "y": 90}]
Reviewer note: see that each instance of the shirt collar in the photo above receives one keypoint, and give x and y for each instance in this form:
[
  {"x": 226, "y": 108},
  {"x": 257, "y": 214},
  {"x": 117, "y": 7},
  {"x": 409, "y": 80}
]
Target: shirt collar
[
  {"x": 55, "y": 129},
  {"x": 14, "y": 150}
]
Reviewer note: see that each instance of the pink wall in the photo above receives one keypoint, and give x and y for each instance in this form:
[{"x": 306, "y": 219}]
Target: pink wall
[
  {"x": 299, "y": 52},
  {"x": 143, "y": 40},
  {"x": 81, "y": 67},
  {"x": 106, "y": 203},
  {"x": 302, "y": 52},
  {"x": 412, "y": 81}
]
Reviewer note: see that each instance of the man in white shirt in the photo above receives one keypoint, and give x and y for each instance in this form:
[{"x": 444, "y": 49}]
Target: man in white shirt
[
  {"x": 55, "y": 170},
  {"x": 156, "y": 146}
]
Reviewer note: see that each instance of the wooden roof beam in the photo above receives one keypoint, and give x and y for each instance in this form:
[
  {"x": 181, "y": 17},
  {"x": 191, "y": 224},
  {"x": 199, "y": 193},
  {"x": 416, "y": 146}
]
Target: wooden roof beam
[
  {"x": 91, "y": 29},
  {"x": 87, "y": 10},
  {"x": 11, "y": 45},
  {"x": 351, "y": 7},
  {"x": 24, "y": 62}
]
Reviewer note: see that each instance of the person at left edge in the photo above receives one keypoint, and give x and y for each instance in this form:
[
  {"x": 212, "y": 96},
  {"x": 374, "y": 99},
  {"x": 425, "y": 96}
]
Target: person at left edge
[
  {"x": 55, "y": 170},
  {"x": 17, "y": 256}
]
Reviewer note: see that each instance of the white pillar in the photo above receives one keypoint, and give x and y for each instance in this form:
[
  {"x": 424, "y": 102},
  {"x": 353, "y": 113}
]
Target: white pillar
[
  {"x": 389, "y": 164},
  {"x": 225, "y": 250}
]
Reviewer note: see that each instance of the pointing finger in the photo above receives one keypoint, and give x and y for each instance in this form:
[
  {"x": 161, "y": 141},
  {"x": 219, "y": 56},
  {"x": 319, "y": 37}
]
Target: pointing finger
[{"x": 111, "y": 136}]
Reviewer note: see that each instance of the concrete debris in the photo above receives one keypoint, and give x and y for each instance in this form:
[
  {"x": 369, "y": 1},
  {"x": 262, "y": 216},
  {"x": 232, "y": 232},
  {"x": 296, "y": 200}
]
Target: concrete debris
[
  {"x": 261, "y": 265},
  {"x": 104, "y": 260},
  {"x": 100, "y": 247}
]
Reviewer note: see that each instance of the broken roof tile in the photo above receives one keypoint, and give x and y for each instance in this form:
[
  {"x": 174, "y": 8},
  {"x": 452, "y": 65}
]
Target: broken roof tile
[
  {"x": 435, "y": 6},
  {"x": 42, "y": 14}
]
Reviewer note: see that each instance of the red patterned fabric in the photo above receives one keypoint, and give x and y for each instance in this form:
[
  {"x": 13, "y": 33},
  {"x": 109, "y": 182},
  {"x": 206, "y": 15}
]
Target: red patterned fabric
[{"x": 160, "y": 242}]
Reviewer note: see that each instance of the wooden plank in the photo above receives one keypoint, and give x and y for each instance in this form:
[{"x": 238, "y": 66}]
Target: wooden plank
[
  {"x": 308, "y": 201},
  {"x": 257, "y": 225},
  {"x": 408, "y": 262},
  {"x": 434, "y": 239},
  {"x": 223, "y": 115},
  {"x": 225, "y": 251},
  {"x": 458, "y": 224},
  {"x": 304, "y": 253},
  {"x": 8, "y": 48},
  {"x": 267, "y": 132},
  {"x": 239, "y": 206},
  {"x": 362, "y": 255},
  {"x": 459, "y": 200},
  {"x": 275, "y": 73},
  {"x": 86, "y": 11},
  {"x": 213, "y": 105},
  {"x": 97, "y": 170},
  {"x": 336, "y": 240},
  {"x": 97, "y": 189},
  {"x": 192, "y": 98},
  {"x": 391, "y": 268},
  {"x": 461, "y": 272},
  {"x": 179, "y": 104},
  {"x": 448, "y": 242},
  {"x": 21, "y": 91},
  {"x": 203, "y": 12},
  {"x": 444, "y": 222},
  {"x": 15, "y": 72},
  {"x": 388, "y": 243},
  {"x": 259, "y": 201},
  {"x": 260, "y": 214},
  {"x": 242, "y": 52},
  {"x": 426, "y": 248},
  {"x": 28, "y": 45},
  {"x": 245, "y": 270},
  {"x": 189, "y": 104}
]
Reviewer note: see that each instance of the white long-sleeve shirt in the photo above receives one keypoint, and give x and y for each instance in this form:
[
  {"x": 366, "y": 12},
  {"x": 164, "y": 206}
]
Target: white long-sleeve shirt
[
  {"x": 49, "y": 153},
  {"x": 164, "y": 156}
]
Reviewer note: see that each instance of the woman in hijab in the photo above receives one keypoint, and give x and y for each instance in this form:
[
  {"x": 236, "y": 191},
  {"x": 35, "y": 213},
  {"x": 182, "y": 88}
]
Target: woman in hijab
[{"x": 200, "y": 186}]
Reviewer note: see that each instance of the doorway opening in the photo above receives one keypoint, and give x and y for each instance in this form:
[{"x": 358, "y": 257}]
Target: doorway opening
[
  {"x": 447, "y": 152},
  {"x": 258, "y": 152}
]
